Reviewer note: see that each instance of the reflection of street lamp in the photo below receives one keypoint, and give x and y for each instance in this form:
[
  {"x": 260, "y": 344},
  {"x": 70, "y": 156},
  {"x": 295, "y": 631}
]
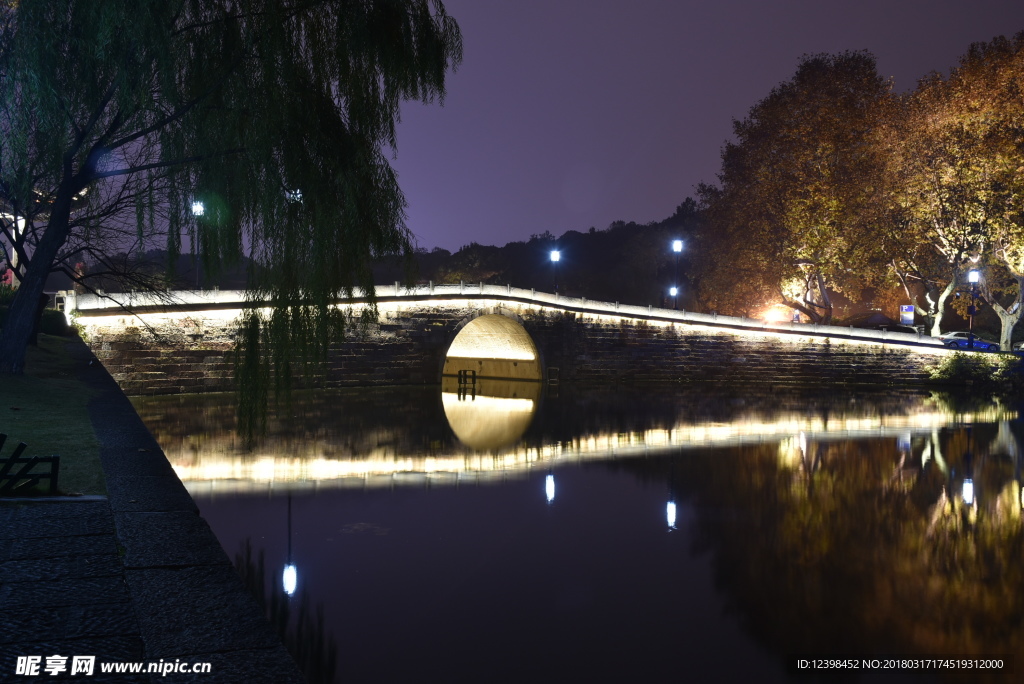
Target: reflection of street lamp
[
  {"x": 677, "y": 247},
  {"x": 549, "y": 487},
  {"x": 290, "y": 576},
  {"x": 674, "y": 291},
  {"x": 972, "y": 278},
  {"x": 197, "y": 210},
  {"x": 968, "y": 492},
  {"x": 670, "y": 514},
  {"x": 556, "y": 256}
]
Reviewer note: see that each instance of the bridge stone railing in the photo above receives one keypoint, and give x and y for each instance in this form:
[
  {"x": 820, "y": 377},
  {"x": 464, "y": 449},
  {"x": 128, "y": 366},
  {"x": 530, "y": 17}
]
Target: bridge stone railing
[{"x": 207, "y": 300}]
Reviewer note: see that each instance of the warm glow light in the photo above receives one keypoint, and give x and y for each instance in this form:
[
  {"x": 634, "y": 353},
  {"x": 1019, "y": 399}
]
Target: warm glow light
[
  {"x": 290, "y": 579},
  {"x": 198, "y": 209},
  {"x": 93, "y": 307},
  {"x": 670, "y": 514},
  {"x": 968, "y": 492},
  {"x": 677, "y": 246},
  {"x": 549, "y": 487},
  {"x": 556, "y": 255},
  {"x": 777, "y": 313},
  {"x": 972, "y": 276},
  {"x": 493, "y": 337}
]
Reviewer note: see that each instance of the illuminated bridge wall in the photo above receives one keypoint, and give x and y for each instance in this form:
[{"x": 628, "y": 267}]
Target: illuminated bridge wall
[{"x": 182, "y": 343}]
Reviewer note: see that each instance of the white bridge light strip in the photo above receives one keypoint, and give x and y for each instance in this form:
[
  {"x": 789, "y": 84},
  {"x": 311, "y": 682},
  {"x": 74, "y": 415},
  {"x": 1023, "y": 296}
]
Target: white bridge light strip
[
  {"x": 227, "y": 304},
  {"x": 209, "y": 473}
]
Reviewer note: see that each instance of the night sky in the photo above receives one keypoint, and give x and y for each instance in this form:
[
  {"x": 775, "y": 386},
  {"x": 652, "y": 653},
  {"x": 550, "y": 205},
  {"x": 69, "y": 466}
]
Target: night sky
[{"x": 567, "y": 114}]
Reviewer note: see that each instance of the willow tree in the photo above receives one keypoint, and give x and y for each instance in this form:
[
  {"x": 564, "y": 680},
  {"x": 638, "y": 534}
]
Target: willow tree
[
  {"x": 797, "y": 186},
  {"x": 116, "y": 116}
]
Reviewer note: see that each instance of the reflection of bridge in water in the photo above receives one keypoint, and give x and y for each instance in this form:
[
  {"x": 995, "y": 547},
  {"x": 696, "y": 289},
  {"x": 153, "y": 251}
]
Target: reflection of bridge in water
[{"x": 489, "y": 428}]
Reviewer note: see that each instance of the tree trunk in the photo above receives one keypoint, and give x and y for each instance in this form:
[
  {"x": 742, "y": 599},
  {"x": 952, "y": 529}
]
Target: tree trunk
[
  {"x": 21, "y": 319},
  {"x": 1008, "y": 321},
  {"x": 17, "y": 332},
  {"x": 826, "y": 301},
  {"x": 940, "y": 307}
]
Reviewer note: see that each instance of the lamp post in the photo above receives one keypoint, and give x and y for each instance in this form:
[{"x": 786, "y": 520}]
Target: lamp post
[
  {"x": 556, "y": 256},
  {"x": 677, "y": 248},
  {"x": 972, "y": 278},
  {"x": 198, "y": 209}
]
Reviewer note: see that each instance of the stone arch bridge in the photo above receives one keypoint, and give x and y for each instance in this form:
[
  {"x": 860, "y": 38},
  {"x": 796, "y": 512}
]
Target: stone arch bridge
[{"x": 181, "y": 341}]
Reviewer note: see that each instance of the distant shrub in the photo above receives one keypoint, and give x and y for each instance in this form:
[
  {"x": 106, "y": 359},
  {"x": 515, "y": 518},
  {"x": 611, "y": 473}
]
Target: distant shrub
[
  {"x": 961, "y": 368},
  {"x": 53, "y": 322},
  {"x": 1010, "y": 373}
]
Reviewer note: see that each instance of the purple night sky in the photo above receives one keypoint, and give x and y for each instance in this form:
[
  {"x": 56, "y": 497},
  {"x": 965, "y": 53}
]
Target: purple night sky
[{"x": 567, "y": 114}]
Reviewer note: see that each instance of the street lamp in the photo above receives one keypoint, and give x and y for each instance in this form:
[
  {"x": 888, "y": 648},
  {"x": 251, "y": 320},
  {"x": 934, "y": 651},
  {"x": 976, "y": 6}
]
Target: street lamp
[
  {"x": 556, "y": 256},
  {"x": 674, "y": 291},
  {"x": 972, "y": 278},
  {"x": 677, "y": 247},
  {"x": 198, "y": 209}
]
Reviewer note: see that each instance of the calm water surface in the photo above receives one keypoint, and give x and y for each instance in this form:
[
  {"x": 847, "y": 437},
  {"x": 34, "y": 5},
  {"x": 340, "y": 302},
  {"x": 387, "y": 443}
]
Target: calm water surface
[{"x": 520, "y": 535}]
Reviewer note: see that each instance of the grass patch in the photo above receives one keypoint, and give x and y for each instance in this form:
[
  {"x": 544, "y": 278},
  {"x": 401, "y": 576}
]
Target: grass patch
[{"x": 46, "y": 408}]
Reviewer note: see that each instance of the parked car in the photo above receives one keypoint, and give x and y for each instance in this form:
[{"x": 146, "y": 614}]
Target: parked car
[
  {"x": 959, "y": 340},
  {"x": 876, "y": 320}
]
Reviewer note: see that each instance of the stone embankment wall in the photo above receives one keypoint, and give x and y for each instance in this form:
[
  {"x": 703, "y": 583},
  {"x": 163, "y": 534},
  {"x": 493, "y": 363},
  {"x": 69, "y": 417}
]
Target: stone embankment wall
[
  {"x": 165, "y": 350},
  {"x": 639, "y": 351},
  {"x": 179, "y": 355}
]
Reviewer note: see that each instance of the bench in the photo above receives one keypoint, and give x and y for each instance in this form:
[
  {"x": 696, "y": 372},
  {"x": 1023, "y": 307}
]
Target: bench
[{"x": 16, "y": 471}]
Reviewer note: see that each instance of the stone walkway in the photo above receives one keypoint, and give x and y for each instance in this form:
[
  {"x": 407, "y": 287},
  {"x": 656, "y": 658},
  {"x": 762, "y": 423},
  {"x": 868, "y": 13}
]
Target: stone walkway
[{"x": 135, "y": 576}]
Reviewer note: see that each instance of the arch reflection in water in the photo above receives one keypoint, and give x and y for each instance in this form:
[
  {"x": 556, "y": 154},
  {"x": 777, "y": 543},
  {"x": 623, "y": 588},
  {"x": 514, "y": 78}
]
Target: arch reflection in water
[{"x": 490, "y": 414}]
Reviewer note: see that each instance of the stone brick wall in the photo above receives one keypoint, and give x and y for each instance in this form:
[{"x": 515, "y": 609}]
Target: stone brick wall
[
  {"x": 642, "y": 352},
  {"x": 177, "y": 355},
  {"x": 182, "y": 352}
]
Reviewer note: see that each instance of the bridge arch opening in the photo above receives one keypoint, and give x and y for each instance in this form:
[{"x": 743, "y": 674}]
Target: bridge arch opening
[{"x": 493, "y": 345}]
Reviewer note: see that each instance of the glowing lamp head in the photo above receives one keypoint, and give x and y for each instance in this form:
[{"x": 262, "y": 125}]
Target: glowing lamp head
[
  {"x": 968, "y": 492},
  {"x": 290, "y": 579},
  {"x": 673, "y": 291},
  {"x": 670, "y": 514},
  {"x": 677, "y": 246},
  {"x": 556, "y": 256},
  {"x": 972, "y": 276},
  {"x": 549, "y": 487},
  {"x": 198, "y": 209}
]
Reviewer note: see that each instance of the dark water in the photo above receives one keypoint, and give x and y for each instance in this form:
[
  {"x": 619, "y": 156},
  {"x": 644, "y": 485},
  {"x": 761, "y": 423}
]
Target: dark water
[{"x": 423, "y": 525}]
